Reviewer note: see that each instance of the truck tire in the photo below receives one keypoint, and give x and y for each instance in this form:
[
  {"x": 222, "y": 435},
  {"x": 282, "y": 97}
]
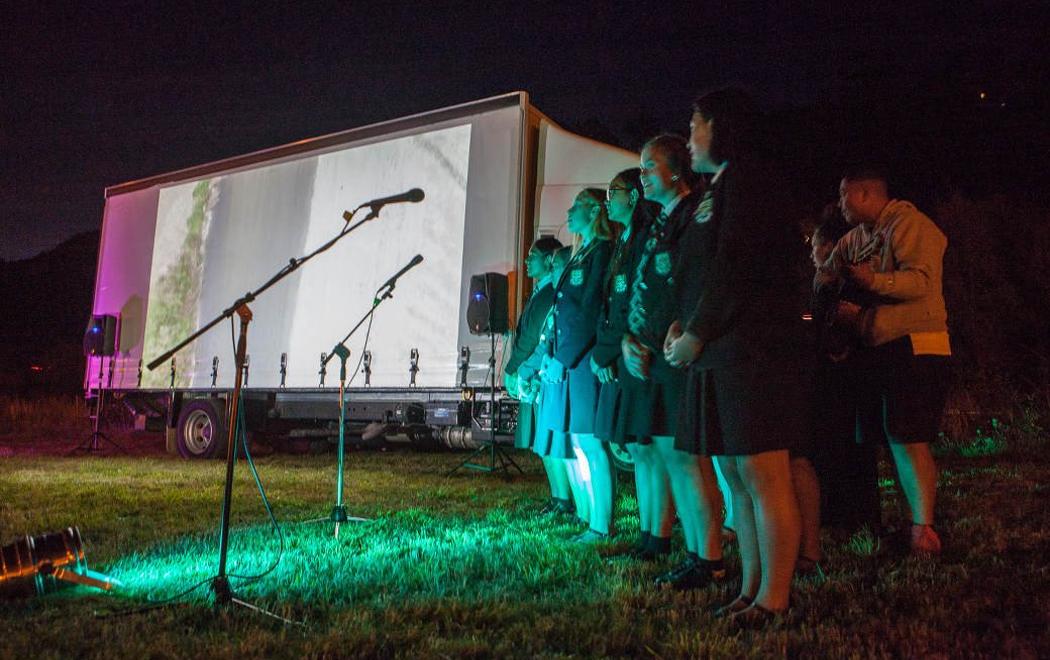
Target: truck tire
[
  {"x": 201, "y": 431},
  {"x": 621, "y": 458}
]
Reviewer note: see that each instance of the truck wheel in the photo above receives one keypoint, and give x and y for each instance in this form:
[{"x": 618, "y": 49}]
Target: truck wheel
[
  {"x": 621, "y": 458},
  {"x": 201, "y": 431}
]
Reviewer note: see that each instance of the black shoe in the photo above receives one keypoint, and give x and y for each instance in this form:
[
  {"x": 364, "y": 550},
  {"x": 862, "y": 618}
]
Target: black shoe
[
  {"x": 659, "y": 546},
  {"x": 640, "y": 553},
  {"x": 756, "y": 617},
  {"x": 551, "y": 507},
  {"x": 690, "y": 574}
]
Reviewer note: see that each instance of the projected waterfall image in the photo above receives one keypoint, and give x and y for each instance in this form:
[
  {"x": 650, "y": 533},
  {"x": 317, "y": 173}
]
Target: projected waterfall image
[{"x": 219, "y": 238}]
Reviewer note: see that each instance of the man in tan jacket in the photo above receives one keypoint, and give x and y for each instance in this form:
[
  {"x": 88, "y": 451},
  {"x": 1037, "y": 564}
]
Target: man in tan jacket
[{"x": 893, "y": 259}]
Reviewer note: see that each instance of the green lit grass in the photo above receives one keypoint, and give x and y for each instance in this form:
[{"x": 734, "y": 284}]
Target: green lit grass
[{"x": 453, "y": 567}]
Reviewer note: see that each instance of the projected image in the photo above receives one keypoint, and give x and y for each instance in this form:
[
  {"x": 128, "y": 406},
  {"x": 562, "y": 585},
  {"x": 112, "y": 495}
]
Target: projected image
[
  {"x": 219, "y": 238},
  {"x": 182, "y": 226}
]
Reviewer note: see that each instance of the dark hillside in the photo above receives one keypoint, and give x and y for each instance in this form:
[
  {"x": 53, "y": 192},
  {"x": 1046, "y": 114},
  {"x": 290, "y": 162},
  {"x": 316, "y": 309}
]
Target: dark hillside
[{"x": 47, "y": 300}]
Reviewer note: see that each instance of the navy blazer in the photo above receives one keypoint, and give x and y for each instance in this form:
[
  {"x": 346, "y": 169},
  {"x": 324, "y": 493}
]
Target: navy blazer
[
  {"x": 655, "y": 283},
  {"x": 747, "y": 304},
  {"x": 530, "y": 324},
  {"x": 612, "y": 321},
  {"x": 578, "y": 302}
]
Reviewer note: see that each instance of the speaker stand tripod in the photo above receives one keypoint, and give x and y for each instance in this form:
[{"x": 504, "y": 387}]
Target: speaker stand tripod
[
  {"x": 498, "y": 458},
  {"x": 93, "y": 443}
]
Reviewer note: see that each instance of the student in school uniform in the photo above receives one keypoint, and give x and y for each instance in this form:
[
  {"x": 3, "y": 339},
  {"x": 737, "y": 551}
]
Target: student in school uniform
[
  {"x": 743, "y": 340},
  {"x": 539, "y": 265},
  {"x": 653, "y": 410},
  {"x": 627, "y": 206},
  {"x": 572, "y": 406}
]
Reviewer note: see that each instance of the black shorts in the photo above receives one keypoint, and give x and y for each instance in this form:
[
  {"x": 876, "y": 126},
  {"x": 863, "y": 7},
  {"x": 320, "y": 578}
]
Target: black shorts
[
  {"x": 900, "y": 393},
  {"x": 744, "y": 409}
]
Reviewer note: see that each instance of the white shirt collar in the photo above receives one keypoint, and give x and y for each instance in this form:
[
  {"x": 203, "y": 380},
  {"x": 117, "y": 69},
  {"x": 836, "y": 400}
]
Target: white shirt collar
[
  {"x": 669, "y": 207},
  {"x": 718, "y": 173}
]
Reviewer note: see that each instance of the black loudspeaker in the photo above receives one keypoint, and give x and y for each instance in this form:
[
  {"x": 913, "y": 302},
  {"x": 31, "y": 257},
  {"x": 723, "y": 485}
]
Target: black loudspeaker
[
  {"x": 101, "y": 335},
  {"x": 487, "y": 307}
]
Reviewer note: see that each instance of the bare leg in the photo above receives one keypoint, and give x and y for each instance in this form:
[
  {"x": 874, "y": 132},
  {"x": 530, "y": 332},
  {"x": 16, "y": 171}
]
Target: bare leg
[
  {"x": 807, "y": 489},
  {"x": 662, "y": 511},
  {"x": 917, "y": 473},
  {"x": 746, "y": 536},
  {"x": 557, "y": 477},
  {"x": 767, "y": 476},
  {"x": 727, "y": 497},
  {"x": 679, "y": 490},
  {"x": 576, "y": 469},
  {"x": 696, "y": 498},
  {"x": 643, "y": 475},
  {"x": 602, "y": 480}
]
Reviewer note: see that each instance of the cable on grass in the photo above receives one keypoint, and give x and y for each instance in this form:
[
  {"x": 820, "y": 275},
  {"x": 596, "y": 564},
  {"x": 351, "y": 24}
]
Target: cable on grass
[{"x": 243, "y": 436}]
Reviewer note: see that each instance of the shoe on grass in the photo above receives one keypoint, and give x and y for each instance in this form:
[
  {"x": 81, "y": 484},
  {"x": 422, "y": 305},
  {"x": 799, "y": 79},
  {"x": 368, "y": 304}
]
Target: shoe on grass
[
  {"x": 551, "y": 507},
  {"x": 808, "y": 568},
  {"x": 690, "y": 574},
  {"x": 738, "y": 604},
  {"x": 756, "y": 617},
  {"x": 590, "y": 537}
]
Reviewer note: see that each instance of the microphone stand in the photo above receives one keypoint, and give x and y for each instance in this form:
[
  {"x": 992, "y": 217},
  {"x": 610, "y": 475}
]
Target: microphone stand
[
  {"x": 220, "y": 584},
  {"x": 338, "y": 514}
]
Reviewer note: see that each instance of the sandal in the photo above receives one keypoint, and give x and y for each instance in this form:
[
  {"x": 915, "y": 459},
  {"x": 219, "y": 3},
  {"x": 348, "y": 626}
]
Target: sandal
[{"x": 738, "y": 604}]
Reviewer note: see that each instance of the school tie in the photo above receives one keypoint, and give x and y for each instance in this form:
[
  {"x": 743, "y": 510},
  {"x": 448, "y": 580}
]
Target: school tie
[{"x": 636, "y": 309}]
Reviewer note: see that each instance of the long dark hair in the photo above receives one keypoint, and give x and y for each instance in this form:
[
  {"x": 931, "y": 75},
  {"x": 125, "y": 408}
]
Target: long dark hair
[
  {"x": 737, "y": 123},
  {"x": 641, "y": 218},
  {"x": 644, "y": 210}
]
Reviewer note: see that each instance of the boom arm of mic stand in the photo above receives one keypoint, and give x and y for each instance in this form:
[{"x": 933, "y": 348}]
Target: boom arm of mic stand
[
  {"x": 291, "y": 267},
  {"x": 375, "y": 303}
]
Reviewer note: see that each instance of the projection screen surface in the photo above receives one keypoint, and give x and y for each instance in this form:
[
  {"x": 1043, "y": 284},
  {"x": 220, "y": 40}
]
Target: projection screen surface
[{"x": 219, "y": 237}]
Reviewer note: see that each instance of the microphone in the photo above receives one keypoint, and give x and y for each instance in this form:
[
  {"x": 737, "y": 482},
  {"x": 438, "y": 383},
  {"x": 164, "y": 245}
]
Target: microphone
[
  {"x": 414, "y": 195},
  {"x": 416, "y": 260}
]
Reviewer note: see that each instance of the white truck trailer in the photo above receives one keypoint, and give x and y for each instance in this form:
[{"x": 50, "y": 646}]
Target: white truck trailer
[{"x": 178, "y": 248}]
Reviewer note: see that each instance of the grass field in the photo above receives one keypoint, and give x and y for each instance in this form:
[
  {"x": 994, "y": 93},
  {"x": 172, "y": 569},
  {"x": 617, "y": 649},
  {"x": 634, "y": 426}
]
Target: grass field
[{"x": 461, "y": 567}]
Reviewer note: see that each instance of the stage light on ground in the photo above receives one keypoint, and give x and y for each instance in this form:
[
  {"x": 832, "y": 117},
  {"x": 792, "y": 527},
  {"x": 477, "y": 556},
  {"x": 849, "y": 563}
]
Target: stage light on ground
[{"x": 38, "y": 564}]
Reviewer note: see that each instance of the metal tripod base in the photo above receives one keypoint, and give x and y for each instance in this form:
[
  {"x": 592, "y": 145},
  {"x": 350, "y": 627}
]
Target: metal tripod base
[
  {"x": 498, "y": 461},
  {"x": 339, "y": 517},
  {"x": 225, "y": 596},
  {"x": 91, "y": 445}
]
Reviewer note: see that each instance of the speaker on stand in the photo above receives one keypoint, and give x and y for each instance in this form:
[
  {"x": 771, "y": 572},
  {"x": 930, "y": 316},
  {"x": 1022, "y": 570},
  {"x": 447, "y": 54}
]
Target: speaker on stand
[
  {"x": 100, "y": 340},
  {"x": 487, "y": 314}
]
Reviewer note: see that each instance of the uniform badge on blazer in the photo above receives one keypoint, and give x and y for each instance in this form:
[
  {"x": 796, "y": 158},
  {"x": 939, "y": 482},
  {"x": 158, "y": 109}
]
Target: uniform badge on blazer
[
  {"x": 662, "y": 263},
  {"x": 576, "y": 277},
  {"x": 620, "y": 283},
  {"x": 704, "y": 209}
]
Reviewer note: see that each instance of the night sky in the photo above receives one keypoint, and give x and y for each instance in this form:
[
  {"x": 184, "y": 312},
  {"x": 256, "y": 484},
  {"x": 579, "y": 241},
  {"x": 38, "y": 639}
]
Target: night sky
[{"x": 95, "y": 94}]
